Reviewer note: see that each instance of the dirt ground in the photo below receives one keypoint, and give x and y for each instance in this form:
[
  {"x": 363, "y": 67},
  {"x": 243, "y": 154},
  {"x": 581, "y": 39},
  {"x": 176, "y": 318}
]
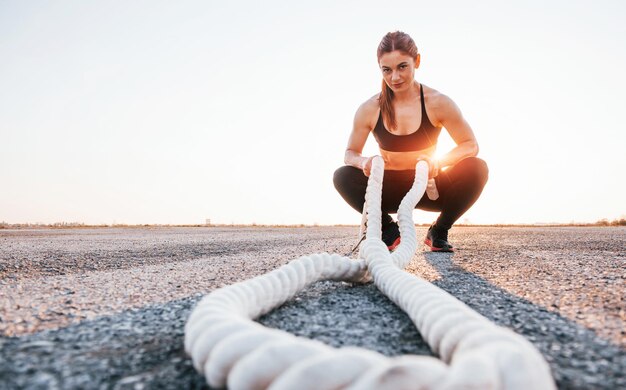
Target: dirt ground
[{"x": 93, "y": 308}]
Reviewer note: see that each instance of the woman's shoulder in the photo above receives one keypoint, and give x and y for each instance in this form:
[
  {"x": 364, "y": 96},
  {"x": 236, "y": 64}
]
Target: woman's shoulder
[
  {"x": 370, "y": 107},
  {"x": 368, "y": 111},
  {"x": 372, "y": 104},
  {"x": 432, "y": 96},
  {"x": 438, "y": 105}
]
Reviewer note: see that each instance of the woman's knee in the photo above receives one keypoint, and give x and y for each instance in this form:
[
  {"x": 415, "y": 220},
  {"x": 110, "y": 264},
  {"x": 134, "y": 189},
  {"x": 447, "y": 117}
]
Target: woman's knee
[
  {"x": 474, "y": 167},
  {"x": 345, "y": 176}
]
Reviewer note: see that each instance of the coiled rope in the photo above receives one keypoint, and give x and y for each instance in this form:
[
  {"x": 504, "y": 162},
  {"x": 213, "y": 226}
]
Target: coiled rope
[{"x": 232, "y": 350}]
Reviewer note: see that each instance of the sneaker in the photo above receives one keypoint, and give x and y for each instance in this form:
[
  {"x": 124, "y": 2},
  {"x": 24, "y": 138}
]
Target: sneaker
[
  {"x": 391, "y": 236},
  {"x": 437, "y": 240}
]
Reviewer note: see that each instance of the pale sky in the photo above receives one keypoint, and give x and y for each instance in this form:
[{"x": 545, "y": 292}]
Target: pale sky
[{"x": 175, "y": 112}]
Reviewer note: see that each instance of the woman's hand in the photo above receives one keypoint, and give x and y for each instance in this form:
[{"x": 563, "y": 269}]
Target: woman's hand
[
  {"x": 433, "y": 165},
  {"x": 367, "y": 166}
]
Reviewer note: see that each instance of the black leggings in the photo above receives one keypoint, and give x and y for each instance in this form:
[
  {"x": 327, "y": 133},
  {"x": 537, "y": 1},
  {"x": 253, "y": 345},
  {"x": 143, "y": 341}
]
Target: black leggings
[{"x": 459, "y": 187}]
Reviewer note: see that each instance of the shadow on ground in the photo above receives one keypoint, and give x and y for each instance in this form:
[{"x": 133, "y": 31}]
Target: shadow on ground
[{"x": 578, "y": 357}]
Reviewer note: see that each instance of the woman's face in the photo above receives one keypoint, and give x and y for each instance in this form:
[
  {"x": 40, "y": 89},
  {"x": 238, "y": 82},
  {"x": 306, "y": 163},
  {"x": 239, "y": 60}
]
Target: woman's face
[{"x": 398, "y": 69}]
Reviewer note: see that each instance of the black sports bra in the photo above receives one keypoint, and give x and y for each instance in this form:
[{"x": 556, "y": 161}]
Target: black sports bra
[{"x": 424, "y": 137}]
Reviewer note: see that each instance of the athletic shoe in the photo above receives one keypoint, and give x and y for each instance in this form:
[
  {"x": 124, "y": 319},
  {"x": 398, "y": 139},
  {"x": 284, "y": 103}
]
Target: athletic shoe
[
  {"x": 437, "y": 240},
  {"x": 391, "y": 236}
]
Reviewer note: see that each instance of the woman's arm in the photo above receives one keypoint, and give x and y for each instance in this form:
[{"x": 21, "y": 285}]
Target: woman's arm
[
  {"x": 360, "y": 131},
  {"x": 449, "y": 116}
]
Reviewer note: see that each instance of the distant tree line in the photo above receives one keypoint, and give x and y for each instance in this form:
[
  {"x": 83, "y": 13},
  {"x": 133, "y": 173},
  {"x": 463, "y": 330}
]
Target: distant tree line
[
  {"x": 5, "y": 225},
  {"x": 615, "y": 222}
]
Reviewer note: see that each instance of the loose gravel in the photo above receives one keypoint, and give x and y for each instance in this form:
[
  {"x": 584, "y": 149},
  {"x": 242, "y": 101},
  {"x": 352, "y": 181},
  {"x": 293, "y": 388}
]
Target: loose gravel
[{"x": 562, "y": 288}]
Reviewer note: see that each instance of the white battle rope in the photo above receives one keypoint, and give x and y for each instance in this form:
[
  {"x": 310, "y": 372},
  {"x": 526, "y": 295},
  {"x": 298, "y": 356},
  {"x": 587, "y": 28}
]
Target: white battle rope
[{"x": 232, "y": 350}]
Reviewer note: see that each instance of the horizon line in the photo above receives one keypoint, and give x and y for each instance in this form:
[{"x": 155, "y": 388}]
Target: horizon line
[{"x": 78, "y": 225}]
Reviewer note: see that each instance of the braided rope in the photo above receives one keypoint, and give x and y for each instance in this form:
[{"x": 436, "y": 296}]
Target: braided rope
[{"x": 231, "y": 349}]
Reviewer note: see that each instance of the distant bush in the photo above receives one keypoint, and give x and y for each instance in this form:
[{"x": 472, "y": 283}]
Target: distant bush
[{"x": 615, "y": 222}]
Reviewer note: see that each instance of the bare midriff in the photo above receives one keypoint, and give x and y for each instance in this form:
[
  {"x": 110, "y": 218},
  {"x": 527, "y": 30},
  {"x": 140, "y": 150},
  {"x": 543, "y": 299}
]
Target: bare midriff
[{"x": 397, "y": 161}]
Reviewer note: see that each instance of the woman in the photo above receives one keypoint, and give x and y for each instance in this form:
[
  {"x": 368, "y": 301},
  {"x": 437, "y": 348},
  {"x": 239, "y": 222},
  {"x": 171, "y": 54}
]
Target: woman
[{"x": 392, "y": 116}]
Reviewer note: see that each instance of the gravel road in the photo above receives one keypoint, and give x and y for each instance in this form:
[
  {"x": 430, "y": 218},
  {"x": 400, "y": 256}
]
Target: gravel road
[{"x": 105, "y": 308}]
